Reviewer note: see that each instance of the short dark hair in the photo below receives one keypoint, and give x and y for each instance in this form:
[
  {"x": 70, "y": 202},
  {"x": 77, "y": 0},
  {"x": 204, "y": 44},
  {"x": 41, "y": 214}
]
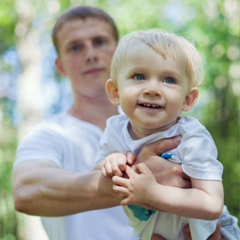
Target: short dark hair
[{"x": 83, "y": 12}]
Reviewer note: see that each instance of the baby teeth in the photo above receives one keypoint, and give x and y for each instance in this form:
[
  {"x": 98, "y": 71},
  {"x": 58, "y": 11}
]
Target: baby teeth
[{"x": 150, "y": 105}]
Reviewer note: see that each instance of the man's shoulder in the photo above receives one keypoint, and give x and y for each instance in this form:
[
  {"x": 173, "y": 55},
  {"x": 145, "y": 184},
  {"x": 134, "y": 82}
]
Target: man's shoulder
[{"x": 46, "y": 126}]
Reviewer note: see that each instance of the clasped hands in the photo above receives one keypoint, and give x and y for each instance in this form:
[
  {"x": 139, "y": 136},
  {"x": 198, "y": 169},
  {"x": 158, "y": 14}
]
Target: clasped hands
[{"x": 128, "y": 172}]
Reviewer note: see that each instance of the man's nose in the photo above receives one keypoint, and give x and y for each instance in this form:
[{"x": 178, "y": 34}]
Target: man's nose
[{"x": 91, "y": 53}]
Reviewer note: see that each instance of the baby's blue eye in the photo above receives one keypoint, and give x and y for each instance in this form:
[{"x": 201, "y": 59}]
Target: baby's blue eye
[
  {"x": 139, "y": 77},
  {"x": 168, "y": 80}
]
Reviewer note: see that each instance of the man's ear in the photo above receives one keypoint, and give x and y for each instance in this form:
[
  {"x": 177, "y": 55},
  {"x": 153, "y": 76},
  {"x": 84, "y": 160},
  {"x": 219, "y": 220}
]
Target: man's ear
[
  {"x": 190, "y": 100},
  {"x": 59, "y": 67},
  {"x": 112, "y": 92}
]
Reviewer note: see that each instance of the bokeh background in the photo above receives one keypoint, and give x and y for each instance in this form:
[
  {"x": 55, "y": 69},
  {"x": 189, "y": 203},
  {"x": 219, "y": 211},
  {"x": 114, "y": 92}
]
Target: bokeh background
[{"x": 31, "y": 90}]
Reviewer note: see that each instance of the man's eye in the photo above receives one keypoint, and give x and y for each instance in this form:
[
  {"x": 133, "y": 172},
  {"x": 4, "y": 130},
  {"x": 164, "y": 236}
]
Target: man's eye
[
  {"x": 139, "y": 77},
  {"x": 76, "y": 48},
  {"x": 99, "y": 42},
  {"x": 169, "y": 80}
]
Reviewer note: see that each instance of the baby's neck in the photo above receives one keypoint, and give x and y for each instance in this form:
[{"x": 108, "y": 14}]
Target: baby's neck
[{"x": 138, "y": 132}]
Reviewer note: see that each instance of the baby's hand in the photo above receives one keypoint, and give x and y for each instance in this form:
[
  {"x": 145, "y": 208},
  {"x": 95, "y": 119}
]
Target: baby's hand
[
  {"x": 114, "y": 165},
  {"x": 137, "y": 187}
]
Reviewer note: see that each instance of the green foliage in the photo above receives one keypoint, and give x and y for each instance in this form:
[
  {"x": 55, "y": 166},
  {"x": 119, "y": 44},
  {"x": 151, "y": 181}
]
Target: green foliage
[
  {"x": 214, "y": 36},
  {"x": 8, "y": 218},
  {"x": 8, "y": 20},
  {"x": 229, "y": 156}
]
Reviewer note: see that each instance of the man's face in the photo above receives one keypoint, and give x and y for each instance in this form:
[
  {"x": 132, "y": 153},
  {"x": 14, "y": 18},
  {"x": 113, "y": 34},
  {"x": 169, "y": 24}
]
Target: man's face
[{"x": 86, "y": 48}]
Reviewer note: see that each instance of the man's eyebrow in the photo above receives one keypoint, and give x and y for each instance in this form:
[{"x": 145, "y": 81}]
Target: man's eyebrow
[
  {"x": 72, "y": 42},
  {"x": 100, "y": 36}
]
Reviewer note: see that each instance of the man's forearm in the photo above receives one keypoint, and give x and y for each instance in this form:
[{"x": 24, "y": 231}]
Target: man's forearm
[{"x": 48, "y": 191}]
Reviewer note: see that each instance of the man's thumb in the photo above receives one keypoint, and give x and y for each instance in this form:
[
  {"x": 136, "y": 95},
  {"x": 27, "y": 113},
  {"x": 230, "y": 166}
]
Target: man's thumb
[{"x": 157, "y": 237}]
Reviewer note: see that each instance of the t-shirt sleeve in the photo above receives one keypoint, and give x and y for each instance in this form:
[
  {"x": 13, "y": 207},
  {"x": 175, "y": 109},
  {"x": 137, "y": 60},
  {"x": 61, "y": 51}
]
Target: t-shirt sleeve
[
  {"x": 199, "y": 154},
  {"x": 42, "y": 143}
]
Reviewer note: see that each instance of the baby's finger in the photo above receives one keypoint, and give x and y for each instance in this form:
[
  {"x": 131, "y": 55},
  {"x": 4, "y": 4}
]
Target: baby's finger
[
  {"x": 120, "y": 190},
  {"x": 142, "y": 168},
  {"x": 130, "y": 172},
  {"x": 103, "y": 170},
  {"x": 124, "y": 202},
  {"x": 116, "y": 167},
  {"x": 130, "y": 158},
  {"x": 108, "y": 169},
  {"x": 122, "y": 162},
  {"x": 120, "y": 181}
]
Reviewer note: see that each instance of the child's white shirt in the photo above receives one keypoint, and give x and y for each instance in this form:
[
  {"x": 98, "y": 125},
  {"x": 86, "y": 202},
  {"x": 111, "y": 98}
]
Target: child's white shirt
[{"x": 196, "y": 153}]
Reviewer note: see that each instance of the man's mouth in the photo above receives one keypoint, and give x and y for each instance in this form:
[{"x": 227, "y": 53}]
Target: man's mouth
[{"x": 94, "y": 71}]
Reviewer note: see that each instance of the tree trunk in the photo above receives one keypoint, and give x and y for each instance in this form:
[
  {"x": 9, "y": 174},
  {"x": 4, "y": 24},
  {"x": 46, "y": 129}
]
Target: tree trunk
[{"x": 30, "y": 100}]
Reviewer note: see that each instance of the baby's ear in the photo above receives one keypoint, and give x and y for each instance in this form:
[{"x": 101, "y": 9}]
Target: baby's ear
[
  {"x": 190, "y": 100},
  {"x": 112, "y": 91}
]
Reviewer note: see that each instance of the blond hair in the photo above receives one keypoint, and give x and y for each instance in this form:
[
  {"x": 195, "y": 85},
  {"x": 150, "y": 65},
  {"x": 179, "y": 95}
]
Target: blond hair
[{"x": 165, "y": 44}]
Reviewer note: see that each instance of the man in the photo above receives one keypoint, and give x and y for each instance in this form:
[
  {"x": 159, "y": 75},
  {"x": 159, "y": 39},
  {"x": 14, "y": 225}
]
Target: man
[{"x": 52, "y": 175}]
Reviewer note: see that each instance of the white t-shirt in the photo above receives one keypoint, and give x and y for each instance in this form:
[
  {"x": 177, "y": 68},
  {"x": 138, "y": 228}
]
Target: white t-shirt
[
  {"x": 72, "y": 145},
  {"x": 196, "y": 153}
]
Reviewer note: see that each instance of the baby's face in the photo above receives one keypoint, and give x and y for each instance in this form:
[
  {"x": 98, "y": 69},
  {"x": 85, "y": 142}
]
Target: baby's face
[{"x": 152, "y": 90}]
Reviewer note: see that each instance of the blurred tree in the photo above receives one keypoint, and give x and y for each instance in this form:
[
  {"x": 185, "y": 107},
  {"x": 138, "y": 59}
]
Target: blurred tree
[
  {"x": 9, "y": 223},
  {"x": 28, "y": 30},
  {"x": 8, "y": 18},
  {"x": 215, "y": 31}
]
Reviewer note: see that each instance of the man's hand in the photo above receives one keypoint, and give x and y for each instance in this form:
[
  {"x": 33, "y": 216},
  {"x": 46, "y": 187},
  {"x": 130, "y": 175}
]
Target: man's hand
[
  {"x": 157, "y": 237},
  {"x": 165, "y": 172},
  {"x": 187, "y": 234}
]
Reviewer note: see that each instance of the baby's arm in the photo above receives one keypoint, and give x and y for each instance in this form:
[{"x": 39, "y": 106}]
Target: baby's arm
[{"x": 203, "y": 201}]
